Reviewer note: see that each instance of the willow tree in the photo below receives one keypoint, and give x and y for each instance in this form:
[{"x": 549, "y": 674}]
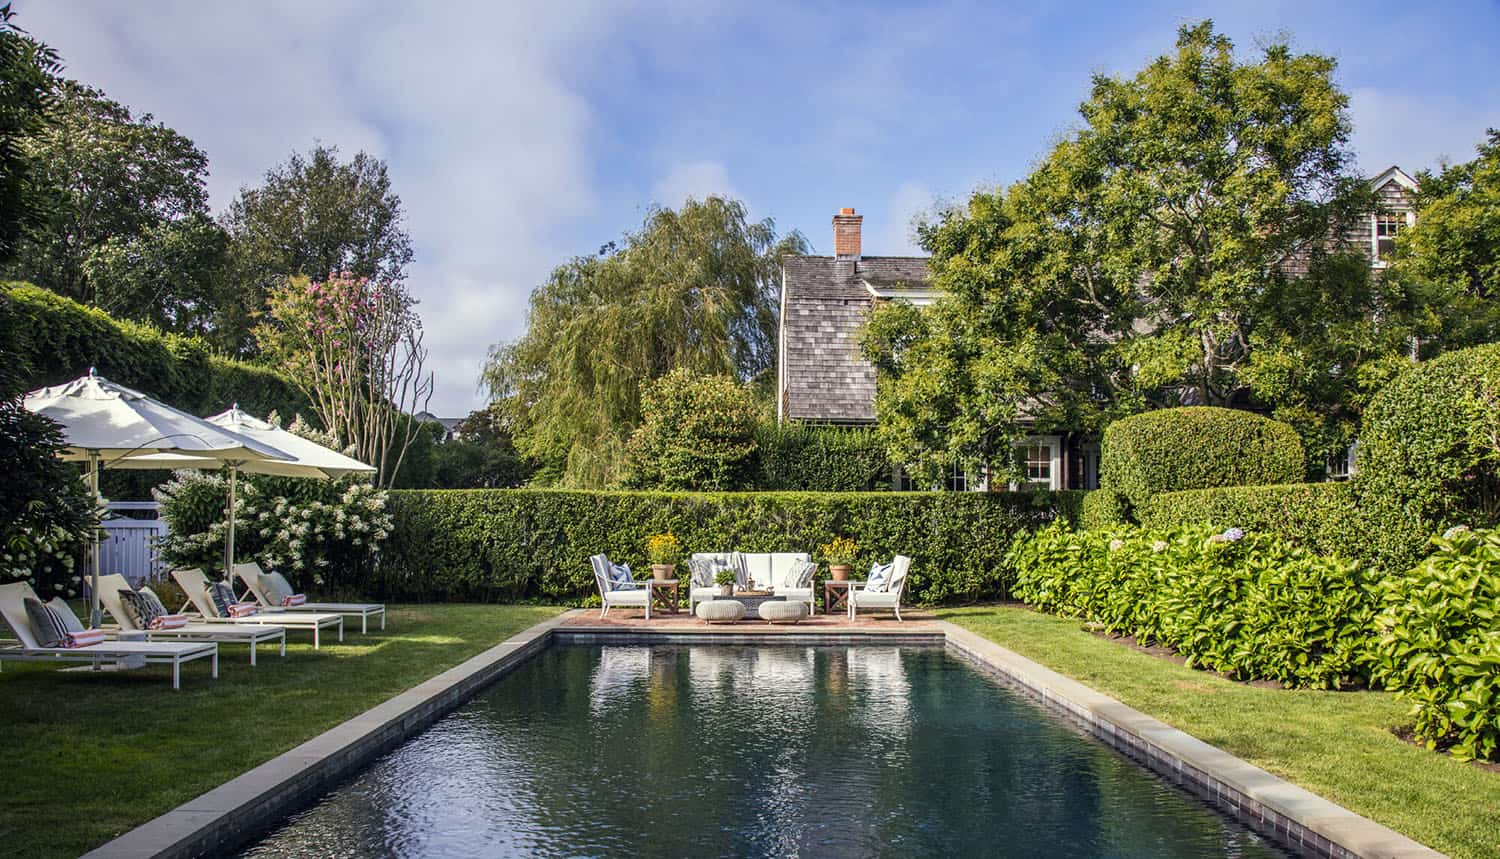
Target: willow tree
[
  {"x": 694, "y": 288},
  {"x": 1181, "y": 246}
]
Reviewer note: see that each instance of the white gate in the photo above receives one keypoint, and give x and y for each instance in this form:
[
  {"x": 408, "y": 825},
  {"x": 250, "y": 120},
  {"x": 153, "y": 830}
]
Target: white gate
[{"x": 129, "y": 546}]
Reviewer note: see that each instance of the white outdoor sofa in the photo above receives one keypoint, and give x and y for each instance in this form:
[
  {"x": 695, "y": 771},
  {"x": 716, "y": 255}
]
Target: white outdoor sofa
[
  {"x": 253, "y": 635},
  {"x": 250, "y": 574},
  {"x": 889, "y": 594},
  {"x": 192, "y": 581},
  {"x": 624, "y": 595},
  {"x": 765, "y": 570},
  {"x": 28, "y": 649}
]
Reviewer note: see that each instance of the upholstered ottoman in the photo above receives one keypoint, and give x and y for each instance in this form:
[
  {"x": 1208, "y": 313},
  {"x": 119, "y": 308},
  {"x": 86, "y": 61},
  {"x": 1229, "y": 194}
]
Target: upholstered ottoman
[
  {"x": 782, "y": 611},
  {"x": 720, "y": 611}
]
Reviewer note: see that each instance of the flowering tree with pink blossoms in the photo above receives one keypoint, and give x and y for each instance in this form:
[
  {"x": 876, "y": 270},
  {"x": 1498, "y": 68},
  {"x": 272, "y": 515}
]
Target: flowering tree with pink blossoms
[{"x": 354, "y": 345}]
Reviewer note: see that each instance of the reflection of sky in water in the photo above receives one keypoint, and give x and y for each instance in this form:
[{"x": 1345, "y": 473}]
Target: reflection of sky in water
[{"x": 754, "y": 751}]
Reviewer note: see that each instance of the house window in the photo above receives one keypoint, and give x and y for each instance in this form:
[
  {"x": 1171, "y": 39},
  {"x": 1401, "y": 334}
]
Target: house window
[
  {"x": 1090, "y": 475},
  {"x": 1386, "y": 228},
  {"x": 1040, "y": 462},
  {"x": 957, "y": 480},
  {"x": 902, "y": 482}
]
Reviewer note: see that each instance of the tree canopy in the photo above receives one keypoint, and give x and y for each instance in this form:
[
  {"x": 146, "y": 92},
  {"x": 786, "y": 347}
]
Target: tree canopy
[
  {"x": 694, "y": 288},
  {"x": 28, "y": 86},
  {"x": 697, "y": 433},
  {"x": 1183, "y": 246}
]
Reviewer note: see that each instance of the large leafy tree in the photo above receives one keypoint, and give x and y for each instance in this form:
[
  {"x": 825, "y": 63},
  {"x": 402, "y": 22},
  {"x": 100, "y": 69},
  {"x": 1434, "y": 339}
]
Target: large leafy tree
[
  {"x": 697, "y": 433},
  {"x": 111, "y": 175},
  {"x": 1182, "y": 246},
  {"x": 315, "y": 215},
  {"x": 171, "y": 274},
  {"x": 28, "y": 84},
  {"x": 693, "y": 288}
]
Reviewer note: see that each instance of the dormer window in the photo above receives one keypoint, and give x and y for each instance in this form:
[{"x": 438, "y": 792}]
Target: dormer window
[{"x": 1386, "y": 228}]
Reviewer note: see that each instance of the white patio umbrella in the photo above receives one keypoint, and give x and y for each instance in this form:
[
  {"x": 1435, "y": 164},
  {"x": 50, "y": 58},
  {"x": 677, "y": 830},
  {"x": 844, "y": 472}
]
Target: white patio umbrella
[
  {"x": 306, "y": 458},
  {"x": 105, "y": 424}
]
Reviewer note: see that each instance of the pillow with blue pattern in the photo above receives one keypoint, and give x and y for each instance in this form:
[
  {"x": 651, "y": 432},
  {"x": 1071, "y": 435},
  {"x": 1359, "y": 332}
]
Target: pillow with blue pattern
[
  {"x": 620, "y": 578},
  {"x": 880, "y": 576}
]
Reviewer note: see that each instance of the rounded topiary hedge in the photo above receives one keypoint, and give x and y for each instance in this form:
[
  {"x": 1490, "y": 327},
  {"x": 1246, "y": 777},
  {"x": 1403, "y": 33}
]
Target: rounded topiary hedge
[
  {"x": 1429, "y": 451},
  {"x": 1197, "y": 447}
]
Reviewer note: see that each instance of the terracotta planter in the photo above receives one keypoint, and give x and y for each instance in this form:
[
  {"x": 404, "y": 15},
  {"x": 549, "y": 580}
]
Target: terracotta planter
[
  {"x": 840, "y": 572},
  {"x": 664, "y": 572}
]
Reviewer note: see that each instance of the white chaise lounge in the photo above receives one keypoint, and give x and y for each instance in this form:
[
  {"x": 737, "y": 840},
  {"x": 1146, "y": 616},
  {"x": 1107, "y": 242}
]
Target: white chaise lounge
[
  {"x": 886, "y": 595},
  {"x": 251, "y": 634},
  {"x": 614, "y": 593},
  {"x": 192, "y": 582},
  {"x": 28, "y": 649},
  {"x": 772, "y": 571},
  {"x": 250, "y": 575}
]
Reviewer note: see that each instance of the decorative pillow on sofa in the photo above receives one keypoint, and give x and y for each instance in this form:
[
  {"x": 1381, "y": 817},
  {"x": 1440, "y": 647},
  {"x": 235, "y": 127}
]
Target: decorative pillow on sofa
[
  {"x": 703, "y": 572},
  {"x": 139, "y": 608},
  {"x": 46, "y": 623},
  {"x": 880, "y": 577},
  {"x": 801, "y": 575}
]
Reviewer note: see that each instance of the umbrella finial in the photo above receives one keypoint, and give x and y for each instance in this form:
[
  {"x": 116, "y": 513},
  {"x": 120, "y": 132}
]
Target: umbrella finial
[{"x": 91, "y": 371}]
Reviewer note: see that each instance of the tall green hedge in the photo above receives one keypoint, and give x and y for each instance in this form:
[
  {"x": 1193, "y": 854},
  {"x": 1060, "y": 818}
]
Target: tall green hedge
[
  {"x": 1322, "y": 517},
  {"x": 797, "y": 457},
  {"x": 1428, "y": 456},
  {"x": 55, "y": 339},
  {"x": 1197, "y": 447},
  {"x": 506, "y": 544}
]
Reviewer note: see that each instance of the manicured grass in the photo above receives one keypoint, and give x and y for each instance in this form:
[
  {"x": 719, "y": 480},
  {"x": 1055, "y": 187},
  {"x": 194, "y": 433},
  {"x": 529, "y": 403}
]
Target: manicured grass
[
  {"x": 89, "y": 756},
  {"x": 1336, "y": 744}
]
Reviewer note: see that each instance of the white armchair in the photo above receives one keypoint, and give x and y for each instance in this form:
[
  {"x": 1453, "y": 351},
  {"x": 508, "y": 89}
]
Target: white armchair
[
  {"x": 613, "y": 593},
  {"x": 888, "y": 594}
]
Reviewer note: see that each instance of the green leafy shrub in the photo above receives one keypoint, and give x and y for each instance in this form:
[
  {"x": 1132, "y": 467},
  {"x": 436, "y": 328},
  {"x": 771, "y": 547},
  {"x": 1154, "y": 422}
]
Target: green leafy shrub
[
  {"x": 1429, "y": 452},
  {"x": 1198, "y": 447},
  {"x": 1249, "y": 605},
  {"x": 696, "y": 433},
  {"x": 798, "y": 457},
  {"x": 1321, "y": 517},
  {"x": 56, "y": 339},
  {"x": 1102, "y": 508},
  {"x": 467, "y": 545},
  {"x": 1438, "y": 644}
]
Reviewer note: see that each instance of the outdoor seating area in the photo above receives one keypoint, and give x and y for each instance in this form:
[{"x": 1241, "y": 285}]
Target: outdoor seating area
[{"x": 767, "y": 588}]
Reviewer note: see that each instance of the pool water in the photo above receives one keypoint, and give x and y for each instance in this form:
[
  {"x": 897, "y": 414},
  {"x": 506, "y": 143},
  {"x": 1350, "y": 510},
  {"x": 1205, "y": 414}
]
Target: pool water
[{"x": 755, "y": 751}]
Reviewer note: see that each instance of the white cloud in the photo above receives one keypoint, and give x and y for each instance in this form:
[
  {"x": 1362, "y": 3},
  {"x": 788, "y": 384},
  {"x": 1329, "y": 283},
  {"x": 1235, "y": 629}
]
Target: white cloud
[
  {"x": 1417, "y": 131},
  {"x": 697, "y": 179}
]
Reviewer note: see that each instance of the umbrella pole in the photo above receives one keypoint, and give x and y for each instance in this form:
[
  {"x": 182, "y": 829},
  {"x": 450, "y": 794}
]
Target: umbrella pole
[
  {"x": 229, "y": 542},
  {"x": 96, "y": 617}
]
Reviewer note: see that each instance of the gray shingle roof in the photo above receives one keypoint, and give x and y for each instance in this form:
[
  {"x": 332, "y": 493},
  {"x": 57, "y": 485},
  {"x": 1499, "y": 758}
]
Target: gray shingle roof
[{"x": 826, "y": 379}]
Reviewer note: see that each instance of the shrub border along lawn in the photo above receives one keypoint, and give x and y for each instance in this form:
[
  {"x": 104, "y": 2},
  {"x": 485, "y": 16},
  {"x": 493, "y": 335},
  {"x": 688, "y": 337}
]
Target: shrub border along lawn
[
  {"x": 1339, "y": 745},
  {"x": 95, "y": 756}
]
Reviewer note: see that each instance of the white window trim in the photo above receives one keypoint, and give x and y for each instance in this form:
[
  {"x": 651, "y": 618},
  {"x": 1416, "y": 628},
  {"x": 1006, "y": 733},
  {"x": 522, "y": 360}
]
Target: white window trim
[{"x": 1054, "y": 480}]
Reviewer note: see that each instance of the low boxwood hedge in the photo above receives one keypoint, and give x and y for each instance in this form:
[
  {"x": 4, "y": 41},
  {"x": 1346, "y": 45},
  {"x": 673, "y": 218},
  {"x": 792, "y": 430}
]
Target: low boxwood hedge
[
  {"x": 1322, "y": 517},
  {"x": 508, "y": 544},
  {"x": 1250, "y": 605},
  {"x": 1197, "y": 447}
]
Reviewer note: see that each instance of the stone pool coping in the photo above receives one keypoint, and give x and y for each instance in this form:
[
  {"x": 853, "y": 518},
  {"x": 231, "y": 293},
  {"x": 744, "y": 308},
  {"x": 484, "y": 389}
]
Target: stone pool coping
[{"x": 224, "y": 818}]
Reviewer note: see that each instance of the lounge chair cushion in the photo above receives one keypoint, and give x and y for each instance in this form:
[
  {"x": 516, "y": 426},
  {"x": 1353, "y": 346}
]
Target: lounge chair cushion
[
  {"x": 47, "y": 623},
  {"x": 141, "y": 612},
  {"x": 222, "y": 596},
  {"x": 880, "y": 575}
]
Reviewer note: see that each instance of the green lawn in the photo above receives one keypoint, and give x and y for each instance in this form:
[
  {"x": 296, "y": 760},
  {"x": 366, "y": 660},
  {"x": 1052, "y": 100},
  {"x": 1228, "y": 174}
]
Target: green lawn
[
  {"x": 91, "y": 756},
  {"x": 1336, "y": 744}
]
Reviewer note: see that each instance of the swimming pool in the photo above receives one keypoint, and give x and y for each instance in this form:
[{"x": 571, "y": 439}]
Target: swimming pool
[{"x": 774, "y": 750}]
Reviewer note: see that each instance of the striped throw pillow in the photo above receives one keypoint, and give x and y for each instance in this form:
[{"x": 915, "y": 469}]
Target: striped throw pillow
[
  {"x": 222, "y": 596},
  {"x": 169, "y": 621},
  {"x": 48, "y": 626},
  {"x": 70, "y": 621},
  {"x": 139, "y": 608},
  {"x": 155, "y": 601}
]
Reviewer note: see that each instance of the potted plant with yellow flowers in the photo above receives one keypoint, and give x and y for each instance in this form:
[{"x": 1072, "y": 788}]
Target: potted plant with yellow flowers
[
  {"x": 840, "y": 553},
  {"x": 664, "y": 552}
]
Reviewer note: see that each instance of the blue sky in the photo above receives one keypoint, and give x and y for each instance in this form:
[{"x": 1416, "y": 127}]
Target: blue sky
[{"x": 521, "y": 134}]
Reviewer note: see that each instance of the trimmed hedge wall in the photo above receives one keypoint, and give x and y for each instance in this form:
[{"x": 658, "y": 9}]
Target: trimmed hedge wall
[
  {"x": 1427, "y": 456},
  {"x": 1197, "y": 447},
  {"x": 508, "y": 544},
  {"x": 1318, "y": 516},
  {"x": 796, "y": 457},
  {"x": 54, "y": 339}
]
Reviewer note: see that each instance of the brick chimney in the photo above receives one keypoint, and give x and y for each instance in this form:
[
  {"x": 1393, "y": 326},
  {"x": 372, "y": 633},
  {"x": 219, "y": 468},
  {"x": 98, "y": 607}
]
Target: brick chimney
[{"x": 846, "y": 234}]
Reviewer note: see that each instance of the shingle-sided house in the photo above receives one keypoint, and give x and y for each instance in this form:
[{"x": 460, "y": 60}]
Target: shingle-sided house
[{"x": 823, "y": 378}]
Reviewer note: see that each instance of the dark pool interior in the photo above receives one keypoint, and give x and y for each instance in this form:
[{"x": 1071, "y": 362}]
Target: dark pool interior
[{"x": 755, "y": 751}]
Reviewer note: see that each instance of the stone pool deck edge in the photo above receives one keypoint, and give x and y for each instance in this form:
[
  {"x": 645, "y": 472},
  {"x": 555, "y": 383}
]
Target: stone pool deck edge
[
  {"x": 226, "y": 817},
  {"x": 1289, "y": 815}
]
